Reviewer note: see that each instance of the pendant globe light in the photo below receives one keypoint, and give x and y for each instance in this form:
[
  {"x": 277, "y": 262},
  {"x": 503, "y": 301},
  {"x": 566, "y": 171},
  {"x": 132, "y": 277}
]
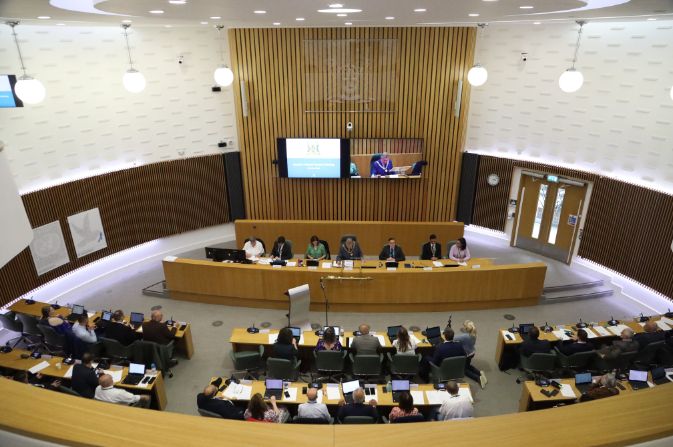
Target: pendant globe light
[
  {"x": 571, "y": 80},
  {"x": 28, "y": 89},
  {"x": 478, "y": 75},
  {"x": 223, "y": 75},
  {"x": 133, "y": 80}
]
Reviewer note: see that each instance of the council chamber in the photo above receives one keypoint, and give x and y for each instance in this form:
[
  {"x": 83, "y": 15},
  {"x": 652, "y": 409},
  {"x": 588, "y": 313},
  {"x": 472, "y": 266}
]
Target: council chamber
[{"x": 376, "y": 221}]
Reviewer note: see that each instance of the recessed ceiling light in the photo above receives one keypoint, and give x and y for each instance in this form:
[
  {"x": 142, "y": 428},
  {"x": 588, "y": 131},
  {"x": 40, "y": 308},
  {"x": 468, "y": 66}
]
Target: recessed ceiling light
[
  {"x": 156, "y": 11},
  {"x": 126, "y": 21},
  {"x": 215, "y": 18},
  {"x": 536, "y": 23},
  {"x": 43, "y": 17},
  {"x": 336, "y": 5},
  {"x": 420, "y": 10},
  {"x": 167, "y": 26},
  {"x": 651, "y": 18},
  {"x": 177, "y": 2},
  {"x": 390, "y": 18},
  {"x": 204, "y": 23},
  {"x": 60, "y": 24},
  {"x": 348, "y": 23},
  {"x": 260, "y": 11},
  {"x": 342, "y": 15},
  {"x": 473, "y": 15},
  {"x": 525, "y": 7},
  {"x": 339, "y": 10},
  {"x": 299, "y": 19},
  {"x": 276, "y": 23}
]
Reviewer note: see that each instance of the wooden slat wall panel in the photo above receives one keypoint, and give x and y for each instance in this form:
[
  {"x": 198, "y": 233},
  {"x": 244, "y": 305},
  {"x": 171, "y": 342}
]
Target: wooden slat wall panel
[
  {"x": 429, "y": 61},
  {"x": 627, "y": 228},
  {"x": 136, "y": 205}
]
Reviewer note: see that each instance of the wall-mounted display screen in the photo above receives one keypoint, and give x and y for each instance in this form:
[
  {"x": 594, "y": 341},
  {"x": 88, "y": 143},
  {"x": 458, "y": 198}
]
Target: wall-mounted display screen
[
  {"x": 313, "y": 157},
  {"x": 8, "y": 96},
  {"x": 386, "y": 158}
]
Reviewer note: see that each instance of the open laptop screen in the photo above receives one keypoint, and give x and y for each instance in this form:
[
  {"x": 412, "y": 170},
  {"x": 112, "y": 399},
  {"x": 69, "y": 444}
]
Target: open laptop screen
[
  {"x": 638, "y": 376},
  {"x": 400, "y": 385},
  {"x": 107, "y": 315},
  {"x": 136, "y": 368},
  {"x": 524, "y": 328},
  {"x": 582, "y": 378},
  {"x": 392, "y": 331},
  {"x": 77, "y": 309},
  {"x": 137, "y": 317},
  {"x": 296, "y": 332},
  {"x": 274, "y": 384},
  {"x": 432, "y": 332},
  {"x": 349, "y": 387}
]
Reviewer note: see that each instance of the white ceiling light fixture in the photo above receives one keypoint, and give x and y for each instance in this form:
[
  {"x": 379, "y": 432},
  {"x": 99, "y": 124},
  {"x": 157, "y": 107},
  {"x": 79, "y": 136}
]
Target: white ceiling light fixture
[
  {"x": 43, "y": 17},
  {"x": 336, "y": 5},
  {"x": 215, "y": 18},
  {"x": 348, "y": 23},
  {"x": 571, "y": 80},
  {"x": 223, "y": 75},
  {"x": 420, "y": 10},
  {"x": 177, "y": 2},
  {"x": 28, "y": 89},
  {"x": 260, "y": 11},
  {"x": 299, "y": 19},
  {"x": 133, "y": 80},
  {"x": 156, "y": 11},
  {"x": 339, "y": 11},
  {"x": 478, "y": 75},
  {"x": 474, "y": 14}
]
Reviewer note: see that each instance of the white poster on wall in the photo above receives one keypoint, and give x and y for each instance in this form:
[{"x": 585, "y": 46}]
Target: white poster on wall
[
  {"x": 87, "y": 232},
  {"x": 16, "y": 231},
  {"x": 48, "y": 247}
]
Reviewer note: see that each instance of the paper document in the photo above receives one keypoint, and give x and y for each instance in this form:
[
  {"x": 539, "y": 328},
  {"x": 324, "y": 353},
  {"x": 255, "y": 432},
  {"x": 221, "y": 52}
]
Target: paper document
[
  {"x": 418, "y": 397},
  {"x": 506, "y": 334},
  {"x": 428, "y": 269},
  {"x": 590, "y": 333},
  {"x": 238, "y": 391},
  {"x": 348, "y": 263},
  {"x": 465, "y": 391},
  {"x": 170, "y": 258},
  {"x": 273, "y": 338},
  {"x": 39, "y": 367},
  {"x": 293, "y": 395},
  {"x": 116, "y": 374},
  {"x": 561, "y": 335},
  {"x": 146, "y": 384},
  {"x": 435, "y": 397},
  {"x": 291, "y": 263},
  {"x": 668, "y": 321},
  {"x": 617, "y": 330},
  {"x": 327, "y": 265},
  {"x": 264, "y": 261},
  {"x": 68, "y": 373},
  {"x": 567, "y": 390},
  {"x": 437, "y": 263},
  {"x": 301, "y": 339},
  {"x": 381, "y": 339},
  {"x": 600, "y": 330},
  {"x": 413, "y": 338},
  {"x": 374, "y": 396},
  {"x": 663, "y": 326},
  {"x": 333, "y": 392},
  {"x": 276, "y": 266}
]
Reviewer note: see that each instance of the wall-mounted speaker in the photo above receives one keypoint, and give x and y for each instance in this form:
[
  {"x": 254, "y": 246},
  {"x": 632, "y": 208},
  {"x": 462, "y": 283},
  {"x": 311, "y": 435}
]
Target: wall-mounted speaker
[
  {"x": 232, "y": 170},
  {"x": 468, "y": 187},
  {"x": 244, "y": 100}
]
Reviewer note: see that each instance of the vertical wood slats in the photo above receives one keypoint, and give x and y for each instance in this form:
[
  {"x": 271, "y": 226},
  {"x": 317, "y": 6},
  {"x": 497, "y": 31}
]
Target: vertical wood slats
[
  {"x": 429, "y": 61},
  {"x": 627, "y": 227},
  {"x": 136, "y": 205}
]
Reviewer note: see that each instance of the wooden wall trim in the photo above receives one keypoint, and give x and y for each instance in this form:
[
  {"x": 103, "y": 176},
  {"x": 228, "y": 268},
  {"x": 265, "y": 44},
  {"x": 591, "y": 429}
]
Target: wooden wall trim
[{"x": 136, "y": 205}]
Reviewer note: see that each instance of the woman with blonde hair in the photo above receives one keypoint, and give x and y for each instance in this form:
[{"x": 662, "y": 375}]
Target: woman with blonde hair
[{"x": 468, "y": 338}]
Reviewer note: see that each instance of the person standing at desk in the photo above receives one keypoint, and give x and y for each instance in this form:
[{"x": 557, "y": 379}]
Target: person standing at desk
[
  {"x": 315, "y": 249},
  {"x": 432, "y": 250},
  {"x": 281, "y": 249},
  {"x": 392, "y": 252},
  {"x": 383, "y": 166},
  {"x": 253, "y": 248},
  {"x": 349, "y": 251},
  {"x": 459, "y": 251}
]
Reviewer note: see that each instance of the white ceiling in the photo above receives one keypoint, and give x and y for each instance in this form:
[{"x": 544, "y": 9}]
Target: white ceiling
[{"x": 240, "y": 13}]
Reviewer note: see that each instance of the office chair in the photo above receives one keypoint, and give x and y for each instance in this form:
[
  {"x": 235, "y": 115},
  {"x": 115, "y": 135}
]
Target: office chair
[
  {"x": 117, "y": 351},
  {"x": 366, "y": 366},
  {"x": 53, "y": 341},
  {"x": 577, "y": 361},
  {"x": 666, "y": 357},
  {"x": 282, "y": 368},
  {"x": 30, "y": 331},
  {"x": 538, "y": 363},
  {"x": 326, "y": 245},
  {"x": 148, "y": 352},
  {"x": 10, "y": 323},
  {"x": 417, "y": 167},
  {"x": 450, "y": 244},
  {"x": 359, "y": 420},
  {"x": 68, "y": 390},
  {"x": 248, "y": 361},
  {"x": 374, "y": 159},
  {"x": 331, "y": 363},
  {"x": 404, "y": 366},
  {"x": 209, "y": 414},
  {"x": 409, "y": 419},
  {"x": 314, "y": 421},
  {"x": 451, "y": 368},
  {"x": 625, "y": 360},
  {"x": 346, "y": 236},
  {"x": 647, "y": 357}
]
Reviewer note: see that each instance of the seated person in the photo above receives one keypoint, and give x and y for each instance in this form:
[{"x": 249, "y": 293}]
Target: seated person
[
  {"x": 652, "y": 334},
  {"x": 253, "y": 248},
  {"x": 285, "y": 346},
  {"x": 576, "y": 344},
  {"x": 281, "y": 249},
  {"x": 624, "y": 344},
  {"x": 358, "y": 407},
  {"x": 209, "y": 402},
  {"x": 383, "y": 166},
  {"x": 459, "y": 251},
  {"x": 432, "y": 250},
  {"x": 605, "y": 386},
  {"x": 391, "y": 251},
  {"x": 365, "y": 343},
  {"x": 533, "y": 344},
  {"x": 157, "y": 331},
  {"x": 119, "y": 330},
  {"x": 84, "y": 330},
  {"x": 106, "y": 392},
  {"x": 84, "y": 377},
  {"x": 449, "y": 348},
  {"x": 315, "y": 249},
  {"x": 349, "y": 251},
  {"x": 54, "y": 320},
  {"x": 259, "y": 411},
  {"x": 456, "y": 406},
  {"x": 329, "y": 341},
  {"x": 403, "y": 344},
  {"x": 37, "y": 380},
  {"x": 312, "y": 409},
  {"x": 405, "y": 407}
]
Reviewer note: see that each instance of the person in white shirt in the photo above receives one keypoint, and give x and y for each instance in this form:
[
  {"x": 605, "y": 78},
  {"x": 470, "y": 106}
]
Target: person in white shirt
[
  {"x": 312, "y": 409},
  {"x": 83, "y": 330},
  {"x": 403, "y": 343},
  {"x": 455, "y": 406},
  {"x": 459, "y": 251},
  {"x": 106, "y": 392},
  {"x": 253, "y": 248}
]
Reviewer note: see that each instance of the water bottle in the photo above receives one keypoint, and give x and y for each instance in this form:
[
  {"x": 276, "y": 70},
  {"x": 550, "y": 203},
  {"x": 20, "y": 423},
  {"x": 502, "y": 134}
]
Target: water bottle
[{"x": 153, "y": 370}]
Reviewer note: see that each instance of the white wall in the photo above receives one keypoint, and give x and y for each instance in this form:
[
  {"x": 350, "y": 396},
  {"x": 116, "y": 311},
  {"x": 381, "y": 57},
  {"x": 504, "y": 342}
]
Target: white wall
[
  {"x": 89, "y": 123},
  {"x": 619, "y": 124}
]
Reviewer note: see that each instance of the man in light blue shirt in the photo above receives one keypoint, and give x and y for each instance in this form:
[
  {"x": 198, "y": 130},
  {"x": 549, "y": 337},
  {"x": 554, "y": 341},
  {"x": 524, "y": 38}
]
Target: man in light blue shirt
[
  {"x": 312, "y": 409},
  {"x": 83, "y": 330}
]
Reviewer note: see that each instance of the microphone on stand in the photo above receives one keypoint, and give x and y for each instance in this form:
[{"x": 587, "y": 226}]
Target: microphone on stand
[{"x": 252, "y": 329}]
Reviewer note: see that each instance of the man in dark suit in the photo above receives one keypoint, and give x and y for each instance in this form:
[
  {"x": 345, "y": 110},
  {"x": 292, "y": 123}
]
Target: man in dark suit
[
  {"x": 365, "y": 343},
  {"x": 392, "y": 252},
  {"x": 358, "y": 407},
  {"x": 120, "y": 331},
  {"x": 84, "y": 377},
  {"x": 225, "y": 408},
  {"x": 157, "y": 331},
  {"x": 443, "y": 351},
  {"x": 432, "y": 250},
  {"x": 533, "y": 344},
  {"x": 281, "y": 249},
  {"x": 579, "y": 344},
  {"x": 652, "y": 334}
]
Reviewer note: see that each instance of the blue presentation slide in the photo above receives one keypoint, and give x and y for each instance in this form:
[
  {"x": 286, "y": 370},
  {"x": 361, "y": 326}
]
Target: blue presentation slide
[
  {"x": 6, "y": 96},
  {"x": 313, "y": 157}
]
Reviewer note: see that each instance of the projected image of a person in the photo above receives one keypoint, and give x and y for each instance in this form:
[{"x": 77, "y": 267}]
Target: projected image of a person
[{"x": 383, "y": 166}]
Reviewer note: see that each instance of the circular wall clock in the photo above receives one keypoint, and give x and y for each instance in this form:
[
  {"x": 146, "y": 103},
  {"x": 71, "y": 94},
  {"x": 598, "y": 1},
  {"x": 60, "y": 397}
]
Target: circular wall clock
[{"x": 493, "y": 179}]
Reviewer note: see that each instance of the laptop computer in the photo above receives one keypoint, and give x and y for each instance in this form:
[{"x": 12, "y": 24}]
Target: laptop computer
[
  {"x": 107, "y": 315},
  {"x": 433, "y": 335},
  {"x": 296, "y": 333},
  {"x": 399, "y": 386},
  {"x": 274, "y": 387},
  {"x": 524, "y": 328},
  {"x": 312, "y": 263},
  {"x": 392, "y": 332},
  {"x": 659, "y": 376},
  {"x": 347, "y": 388},
  {"x": 392, "y": 264},
  {"x": 135, "y": 375},
  {"x": 638, "y": 379},
  {"x": 76, "y": 311},
  {"x": 582, "y": 382},
  {"x": 136, "y": 319}
]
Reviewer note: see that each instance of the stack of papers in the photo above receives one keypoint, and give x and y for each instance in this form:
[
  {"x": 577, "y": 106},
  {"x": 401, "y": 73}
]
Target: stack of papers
[
  {"x": 435, "y": 397},
  {"x": 327, "y": 265},
  {"x": 239, "y": 391},
  {"x": 418, "y": 397},
  {"x": 381, "y": 339},
  {"x": 600, "y": 330},
  {"x": 333, "y": 392},
  {"x": 264, "y": 261},
  {"x": 437, "y": 263},
  {"x": 561, "y": 335},
  {"x": 465, "y": 391},
  {"x": 663, "y": 326},
  {"x": 39, "y": 367},
  {"x": 116, "y": 374},
  {"x": 567, "y": 390},
  {"x": 668, "y": 321},
  {"x": 293, "y": 395},
  {"x": 291, "y": 263},
  {"x": 590, "y": 333},
  {"x": 68, "y": 373},
  {"x": 617, "y": 330},
  {"x": 413, "y": 338}
]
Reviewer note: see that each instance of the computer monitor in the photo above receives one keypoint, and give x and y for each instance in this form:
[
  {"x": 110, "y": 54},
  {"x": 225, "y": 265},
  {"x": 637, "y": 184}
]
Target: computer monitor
[
  {"x": 337, "y": 330},
  {"x": 137, "y": 318},
  {"x": 433, "y": 332},
  {"x": 136, "y": 368},
  {"x": 524, "y": 328},
  {"x": 349, "y": 387},
  {"x": 392, "y": 264},
  {"x": 638, "y": 376},
  {"x": 296, "y": 332},
  {"x": 225, "y": 254},
  {"x": 582, "y": 378},
  {"x": 392, "y": 331},
  {"x": 400, "y": 385},
  {"x": 77, "y": 309},
  {"x": 107, "y": 315},
  {"x": 274, "y": 384},
  {"x": 312, "y": 263}
]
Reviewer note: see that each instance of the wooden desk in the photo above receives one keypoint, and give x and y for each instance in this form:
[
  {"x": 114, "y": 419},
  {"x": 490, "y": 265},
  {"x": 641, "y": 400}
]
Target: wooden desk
[
  {"x": 371, "y": 235},
  {"x": 366, "y": 290},
  {"x": 13, "y": 360},
  {"x": 532, "y": 398},
  {"x": 183, "y": 342}
]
